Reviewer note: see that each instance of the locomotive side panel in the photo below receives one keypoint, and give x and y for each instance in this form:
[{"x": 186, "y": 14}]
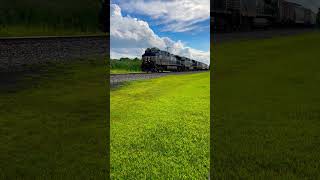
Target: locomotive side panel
[
  {"x": 188, "y": 63},
  {"x": 309, "y": 17},
  {"x": 313, "y": 19},
  {"x": 299, "y": 15},
  {"x": 166, "y": 59},
  {"x": 287, "y": 13},
  {"x": 248, "y": 8}
]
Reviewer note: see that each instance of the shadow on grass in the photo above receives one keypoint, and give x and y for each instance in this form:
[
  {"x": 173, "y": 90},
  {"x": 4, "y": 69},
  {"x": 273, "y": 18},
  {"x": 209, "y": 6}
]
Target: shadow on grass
[
  {"x": 32, "y": 75},
  {"x": 53, "y": 120}
]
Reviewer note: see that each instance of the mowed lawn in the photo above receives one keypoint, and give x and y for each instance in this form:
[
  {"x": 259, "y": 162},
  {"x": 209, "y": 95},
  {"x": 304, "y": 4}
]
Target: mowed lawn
[
  {"x": 160, "y": 128},
  {"x": 53, "y": 122},
  {"x": 266, "y": 109}
]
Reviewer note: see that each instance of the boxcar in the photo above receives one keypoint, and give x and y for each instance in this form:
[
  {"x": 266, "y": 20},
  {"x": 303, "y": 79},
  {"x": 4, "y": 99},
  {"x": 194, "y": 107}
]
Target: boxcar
[
  {"x": 299, "y": 15},
  {"x": 229, "y": 15},
  {"x": 234, "y": 15}
]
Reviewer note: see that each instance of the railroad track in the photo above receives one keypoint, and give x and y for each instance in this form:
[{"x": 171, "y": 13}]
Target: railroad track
[
  {"x": 260, "y": 34},
  {"x": 18, "y": 52},
  {"x": 54, "y": 37},
  {"x": 116, "y": 79}
]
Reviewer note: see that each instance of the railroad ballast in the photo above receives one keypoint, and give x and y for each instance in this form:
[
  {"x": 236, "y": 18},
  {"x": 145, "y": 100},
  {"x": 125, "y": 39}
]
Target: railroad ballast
[{"x": 156, "y": 60}]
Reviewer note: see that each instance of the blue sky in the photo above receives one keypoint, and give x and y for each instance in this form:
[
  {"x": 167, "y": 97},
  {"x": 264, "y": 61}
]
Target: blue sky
[
  {"x": 184, "y": 26},
  {"x": 198, "y": 39}
]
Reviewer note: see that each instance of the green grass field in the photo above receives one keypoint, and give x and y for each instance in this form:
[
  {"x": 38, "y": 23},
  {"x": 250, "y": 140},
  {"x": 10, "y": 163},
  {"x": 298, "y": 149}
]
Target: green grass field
[
  {"x": 266, "y": 109},
  {"x": 53, "y": 122},
  {"x": 160, "y": 128}
]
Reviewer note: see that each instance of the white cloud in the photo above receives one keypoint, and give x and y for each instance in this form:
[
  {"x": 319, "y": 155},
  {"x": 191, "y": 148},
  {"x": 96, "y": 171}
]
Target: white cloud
[
  {"x": 117, "y": 53},
  {"x": 130, "y": 37},
  {"x": 175, "y": 15},
  {"x": 127, "y": 32},
  {"x": 312, "y": 4}
]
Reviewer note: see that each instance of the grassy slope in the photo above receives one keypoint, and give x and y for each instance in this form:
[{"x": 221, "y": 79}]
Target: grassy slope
[
  {"x": 32, "y": 31},
  {"x": 122, "y": 71},
  {"x": 267, "y": 109},
  {"x": 53, "y": 123},
  {"x": 160, "y": 128}
]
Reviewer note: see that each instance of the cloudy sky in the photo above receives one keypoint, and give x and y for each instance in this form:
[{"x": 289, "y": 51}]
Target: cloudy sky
[
  {"x": 181, "y": 25},
  {"x": 312, "y": 4}
]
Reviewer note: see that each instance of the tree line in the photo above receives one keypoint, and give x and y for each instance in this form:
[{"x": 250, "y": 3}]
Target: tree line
[{"x": 78, "y": 15}]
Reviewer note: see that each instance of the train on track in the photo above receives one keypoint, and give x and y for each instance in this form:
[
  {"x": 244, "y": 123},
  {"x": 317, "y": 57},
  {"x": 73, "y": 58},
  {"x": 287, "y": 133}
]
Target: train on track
[
  {"x": 244, "y": 15},
  {"x": 156, "y": 60}
]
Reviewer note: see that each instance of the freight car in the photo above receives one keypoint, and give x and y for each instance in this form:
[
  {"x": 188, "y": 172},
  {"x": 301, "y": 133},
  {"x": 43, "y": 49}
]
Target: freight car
[
  {"x": 235, "y": 15},
  {"x": 156, "y": 60},
  {"x": 294, "y": 14}
]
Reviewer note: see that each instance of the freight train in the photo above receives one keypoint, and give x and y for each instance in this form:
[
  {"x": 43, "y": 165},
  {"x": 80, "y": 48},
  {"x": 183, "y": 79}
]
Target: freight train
[
  {"x": 156, "y": 60},
  {"x": 239, "y": 15}
]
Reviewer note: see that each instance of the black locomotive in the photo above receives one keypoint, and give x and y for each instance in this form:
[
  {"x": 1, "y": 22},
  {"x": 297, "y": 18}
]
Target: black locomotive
[
  {"x": 242, "y": 15},
  {"x": 156, "y": 60}
]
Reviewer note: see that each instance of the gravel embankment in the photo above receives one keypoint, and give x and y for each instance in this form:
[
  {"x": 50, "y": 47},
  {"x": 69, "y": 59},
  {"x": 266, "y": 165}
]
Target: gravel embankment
[
  {"x": 16, "y": 53},
  {"x": 259, "y": 34},
  {"x": 117, "y": 79}
]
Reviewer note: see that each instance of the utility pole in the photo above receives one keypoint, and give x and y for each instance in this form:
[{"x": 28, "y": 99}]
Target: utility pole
[{"x": 167, "y": 48}]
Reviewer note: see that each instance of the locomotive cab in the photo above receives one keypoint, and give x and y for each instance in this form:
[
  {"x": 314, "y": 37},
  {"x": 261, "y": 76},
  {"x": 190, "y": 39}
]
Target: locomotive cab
[{"x": 149, "y": 60}]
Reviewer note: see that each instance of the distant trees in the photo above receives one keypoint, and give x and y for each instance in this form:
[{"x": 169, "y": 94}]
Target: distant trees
[
  {"x": 46, "y": 15},
  {"x": 129, "y": 59},
  {"x": 126, "y": 64}
]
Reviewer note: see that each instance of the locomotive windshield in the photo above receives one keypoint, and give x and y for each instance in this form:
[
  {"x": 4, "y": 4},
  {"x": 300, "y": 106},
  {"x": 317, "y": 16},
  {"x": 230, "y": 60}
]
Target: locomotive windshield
[{"x": 149, "y": 54}]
